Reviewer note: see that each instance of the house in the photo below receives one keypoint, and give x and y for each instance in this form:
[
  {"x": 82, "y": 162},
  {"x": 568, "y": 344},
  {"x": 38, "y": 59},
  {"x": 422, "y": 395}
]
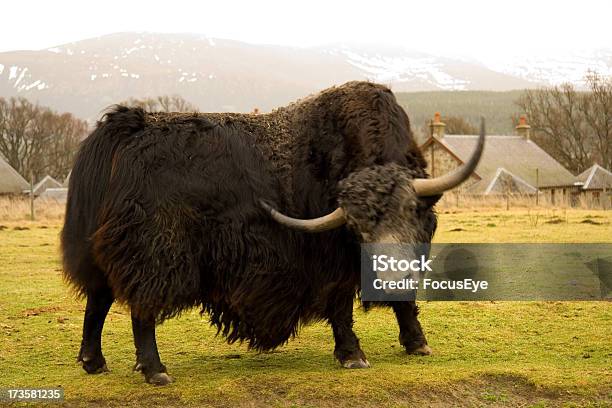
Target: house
[
  {"x": 44, "y": 184},
  {"x": 11, "y": 182},
  {"x": 595, "y": 183},
  {"x": 59, "y": 195},
  {"x": 510, "y": 164}
]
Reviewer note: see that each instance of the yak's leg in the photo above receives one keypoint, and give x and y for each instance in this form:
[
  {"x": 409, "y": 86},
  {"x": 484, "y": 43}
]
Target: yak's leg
[
  {"x": 147, "y": 356},
  {"x": 347, "y": 349},
  {"x": 411, "y": 335},
  {"x": 99, "y": 302}
]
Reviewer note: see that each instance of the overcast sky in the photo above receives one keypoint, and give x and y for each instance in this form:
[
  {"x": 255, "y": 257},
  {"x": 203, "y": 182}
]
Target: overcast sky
[{"x": 482, "y": 29}]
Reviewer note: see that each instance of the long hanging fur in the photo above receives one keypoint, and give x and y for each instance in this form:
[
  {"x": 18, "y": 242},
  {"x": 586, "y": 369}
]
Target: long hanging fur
[{"x": 163, "y": 209}]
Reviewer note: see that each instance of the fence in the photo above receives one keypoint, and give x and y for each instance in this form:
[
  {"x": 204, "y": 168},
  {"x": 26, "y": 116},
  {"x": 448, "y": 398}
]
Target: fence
[
  {"x": 508, "y": 201},
  {"x": 18, "y": 207},
  {"x": 15, "y": 208}
]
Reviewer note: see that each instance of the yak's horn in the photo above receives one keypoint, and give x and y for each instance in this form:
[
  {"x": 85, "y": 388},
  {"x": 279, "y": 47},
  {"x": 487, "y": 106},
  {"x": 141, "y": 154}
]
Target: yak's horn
[
  {"x": 438, "y": 185},
  {"x": 327, "y": 222}
]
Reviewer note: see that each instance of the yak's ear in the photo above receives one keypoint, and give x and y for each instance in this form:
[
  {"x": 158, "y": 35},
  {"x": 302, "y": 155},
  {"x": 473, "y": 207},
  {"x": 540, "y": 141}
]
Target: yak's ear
[{"x": 430, "y": 201}]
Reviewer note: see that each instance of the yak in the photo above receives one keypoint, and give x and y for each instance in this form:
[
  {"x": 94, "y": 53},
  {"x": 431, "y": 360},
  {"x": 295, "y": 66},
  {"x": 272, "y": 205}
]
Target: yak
[{"x": 256, "y": 219}]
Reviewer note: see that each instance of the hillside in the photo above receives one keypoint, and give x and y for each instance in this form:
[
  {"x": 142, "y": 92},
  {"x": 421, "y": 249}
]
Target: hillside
[
  {"x": 85, "y": 77},
  {"x": 496, "y": 107}
]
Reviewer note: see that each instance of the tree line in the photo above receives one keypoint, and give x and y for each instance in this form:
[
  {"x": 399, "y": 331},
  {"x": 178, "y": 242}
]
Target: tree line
[
  {"x": 36, "y": 140},
  {"x": 574, "y": 127}
]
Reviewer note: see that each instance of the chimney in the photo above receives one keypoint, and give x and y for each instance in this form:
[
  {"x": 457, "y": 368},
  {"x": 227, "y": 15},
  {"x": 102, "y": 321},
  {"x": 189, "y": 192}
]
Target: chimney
[
  {"x": 523, "y": 129},
  {"x": 437, "y": 127}
]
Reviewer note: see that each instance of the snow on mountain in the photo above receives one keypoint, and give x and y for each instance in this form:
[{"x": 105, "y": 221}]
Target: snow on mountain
[
  {"x": 84, "y": 77},
  {"x": 404, "y": 69},
  {"x": 20, "y": 79},
  {"x": 556, "y": 69}
]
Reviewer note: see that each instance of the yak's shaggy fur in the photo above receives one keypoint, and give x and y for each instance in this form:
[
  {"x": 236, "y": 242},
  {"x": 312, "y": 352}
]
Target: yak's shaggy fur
[{"x": 163, "y": 208}]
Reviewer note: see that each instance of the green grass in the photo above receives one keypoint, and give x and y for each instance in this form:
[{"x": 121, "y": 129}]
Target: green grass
[{"x": 485, "y": 353}]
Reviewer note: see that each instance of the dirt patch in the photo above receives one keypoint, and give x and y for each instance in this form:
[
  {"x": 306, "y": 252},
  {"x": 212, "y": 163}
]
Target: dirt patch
[
  {"x": 504, "y": 390},
  {"x": 554, "y": 220},
  {"x": 590, "y": 221},
  {"x": 456, "y": 230},
  {"x": 21, "y": 228},
  {"x": 35, "y": 311},
  {"x": 3, "y": 227}
]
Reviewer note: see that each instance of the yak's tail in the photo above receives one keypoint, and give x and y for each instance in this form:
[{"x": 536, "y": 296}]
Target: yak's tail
[{"x": 87, "y": 188}]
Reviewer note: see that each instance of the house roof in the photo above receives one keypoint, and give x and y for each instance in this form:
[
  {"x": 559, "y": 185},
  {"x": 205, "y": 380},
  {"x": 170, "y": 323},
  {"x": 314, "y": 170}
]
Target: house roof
[
  {"x": 595, "y": 178},
  {"x": 506, "y": 181},
  {"x": 10, "y": 180},
  {"x": 67, "y": 181},
  {"x": 517, "y": 156},
  {"x": 45, "y": 183}
]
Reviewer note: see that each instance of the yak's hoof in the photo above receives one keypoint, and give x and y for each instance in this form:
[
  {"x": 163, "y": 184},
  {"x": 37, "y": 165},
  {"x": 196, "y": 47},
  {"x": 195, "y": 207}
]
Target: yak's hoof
[
  {"x": 93, "y": 365},
  {"x": 160, "y": 379},
  {"x": 359, "y": 363},
  {"x": 423, "y": 350}
]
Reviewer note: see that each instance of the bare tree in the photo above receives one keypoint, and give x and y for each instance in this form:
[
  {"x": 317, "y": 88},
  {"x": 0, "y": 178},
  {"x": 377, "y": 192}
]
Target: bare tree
[
  {"x": 36, "y": 140},
  {"x": 455, "y": 125},
  {"x": 597, "y": 110},
  {"x": 164, "y": 103},
  {"x": 574, "y": 127}
]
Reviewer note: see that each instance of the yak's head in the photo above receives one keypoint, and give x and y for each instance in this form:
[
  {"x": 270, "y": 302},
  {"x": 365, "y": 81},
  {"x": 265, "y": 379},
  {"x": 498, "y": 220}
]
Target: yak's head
[{"x": 364, "y": 143}]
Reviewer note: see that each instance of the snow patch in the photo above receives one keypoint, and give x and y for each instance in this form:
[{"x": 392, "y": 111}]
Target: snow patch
[
  {"x": 54, "y": 50},
  {"x": 33, "y": 84},
  {"x": 211, "y": 42},
  {"x": 20, "y": 77},
  {"x": 1, "y": 69},
  {"x": 387, "y": 69},
  {"x": 93, "y": 77},
  {"x": 554, "y": 69},
  {"x": 13, "y": 72}
]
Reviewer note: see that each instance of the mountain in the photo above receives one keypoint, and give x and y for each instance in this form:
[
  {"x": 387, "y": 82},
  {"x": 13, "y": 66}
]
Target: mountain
[
  {"x": 85, "y": 77},
  {"x": 555, "y": 68}
]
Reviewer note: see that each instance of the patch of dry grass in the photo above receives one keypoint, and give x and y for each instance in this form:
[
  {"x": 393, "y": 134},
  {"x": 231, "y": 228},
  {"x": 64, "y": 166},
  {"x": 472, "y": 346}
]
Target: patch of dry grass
[{"x": 17, "y": 208}]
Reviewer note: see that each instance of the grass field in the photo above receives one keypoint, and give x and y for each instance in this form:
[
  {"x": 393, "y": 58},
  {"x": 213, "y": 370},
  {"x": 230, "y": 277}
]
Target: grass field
[{"x": 485, "y": 353}]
